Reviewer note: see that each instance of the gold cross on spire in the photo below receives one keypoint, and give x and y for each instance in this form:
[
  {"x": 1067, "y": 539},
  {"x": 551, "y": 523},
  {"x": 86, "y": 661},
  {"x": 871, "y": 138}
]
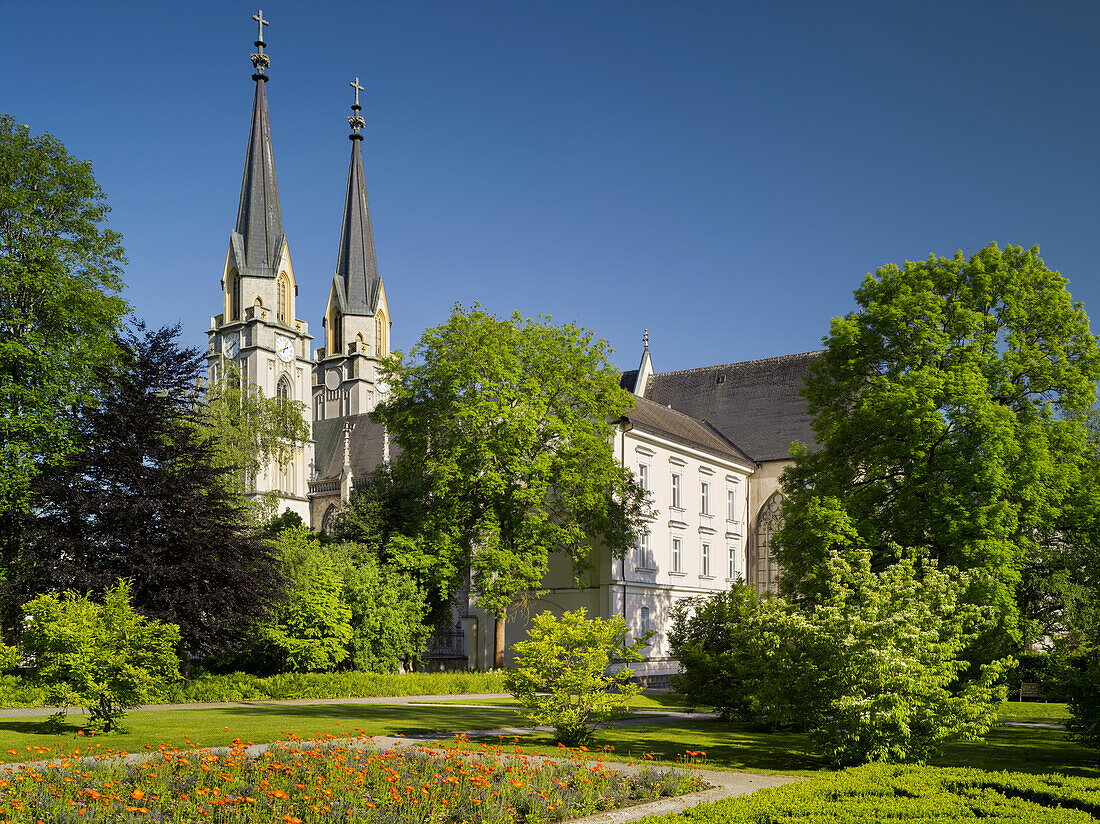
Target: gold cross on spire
[
  {"x": 356, "y": 120},
  {"x": 260, "y": 22},
  {"x": 260, "y": 61}
]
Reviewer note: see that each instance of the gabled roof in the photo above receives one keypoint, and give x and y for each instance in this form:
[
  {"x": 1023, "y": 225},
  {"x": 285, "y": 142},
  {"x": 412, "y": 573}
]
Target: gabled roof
[
  {"x": 356, "y": 266},
  {"x": 755, "y": 404},
  {"x": 367, "y": 446},
  {"x": 259, "y": 219},
  {"x": 666, "y": 421}
]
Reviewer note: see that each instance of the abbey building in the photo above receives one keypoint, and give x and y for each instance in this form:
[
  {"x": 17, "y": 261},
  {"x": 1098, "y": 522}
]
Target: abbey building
[{"x": 709, "y": 443}]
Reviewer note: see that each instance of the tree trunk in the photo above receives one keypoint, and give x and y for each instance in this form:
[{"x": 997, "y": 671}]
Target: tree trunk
[{"x": 498, "y": 646}]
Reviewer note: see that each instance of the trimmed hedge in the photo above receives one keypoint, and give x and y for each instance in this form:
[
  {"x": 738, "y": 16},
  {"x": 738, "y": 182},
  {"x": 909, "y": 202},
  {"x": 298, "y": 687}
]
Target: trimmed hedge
[
  {"x": 909, "y": 795},
  {"x": 239, "y": 686}
]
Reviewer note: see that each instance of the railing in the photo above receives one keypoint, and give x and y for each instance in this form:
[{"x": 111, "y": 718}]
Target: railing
[
  {"x": 320, "y": 487},
  {"x": 450, "y": 644}
]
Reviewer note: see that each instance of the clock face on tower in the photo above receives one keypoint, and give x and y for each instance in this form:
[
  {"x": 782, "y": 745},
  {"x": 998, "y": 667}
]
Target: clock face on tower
[
  {"x": 231, "y": 345},
  {"x": 284, "y": 348}
]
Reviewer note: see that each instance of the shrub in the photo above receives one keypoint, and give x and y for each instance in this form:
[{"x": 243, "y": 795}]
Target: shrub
[
  {"x": 562, "y": 673},
  {"x": 311, "y": 629},
  {"x": 711, "y": 640},
  {"x": 874, "y": 671},
  {"x": 890, "y": 648},
  {"x": 103, "y": 657},
  {"x": 902, "y": 794}
]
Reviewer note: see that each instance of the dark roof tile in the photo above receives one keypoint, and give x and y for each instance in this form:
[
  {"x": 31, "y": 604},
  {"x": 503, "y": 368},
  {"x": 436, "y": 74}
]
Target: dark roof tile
[{"x": 666, "y": 421}]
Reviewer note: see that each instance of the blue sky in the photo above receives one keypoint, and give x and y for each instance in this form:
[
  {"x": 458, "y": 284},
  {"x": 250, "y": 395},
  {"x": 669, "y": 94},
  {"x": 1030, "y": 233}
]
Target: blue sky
[{"x": 722, "y": 173}]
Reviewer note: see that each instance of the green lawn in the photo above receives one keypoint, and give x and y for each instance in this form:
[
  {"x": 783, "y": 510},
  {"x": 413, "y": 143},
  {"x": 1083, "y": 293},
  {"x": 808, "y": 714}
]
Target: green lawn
[
  {"x": 727, "y": 745},
  {"x": 186, "y": 728},
  {"x": 734, "y": 746},
  {"x": 1033, "y": 711}
]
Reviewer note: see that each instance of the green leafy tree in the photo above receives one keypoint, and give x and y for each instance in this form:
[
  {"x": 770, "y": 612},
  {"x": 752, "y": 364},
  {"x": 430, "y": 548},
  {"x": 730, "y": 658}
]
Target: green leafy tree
[
  {"x": 1076, "y": 671},
  {"x": 563, "y": 673},
  {"x": 59, "y": 307},
  {"x": 388, "y": 611},
  {"x": 311, "y": 629},
  {"x": 380, "y": 518},
  {"x": 249, "y": 432},
  {"x": 950, "y": 415},
  {"x": 104, "y": 657},
  {"x": 507, "y": 423}
]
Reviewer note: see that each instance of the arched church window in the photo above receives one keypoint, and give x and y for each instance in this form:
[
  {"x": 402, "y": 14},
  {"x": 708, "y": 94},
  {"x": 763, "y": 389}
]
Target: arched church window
[
  {"x": 337, "y": 333},
  {"x": 282, "y": 390},
  {"x": 765, "y": 570},
  {"x": 380, "y": 335},
  {"x": 328, "y": 522},
  {"x": 234, "y": 290},
  {"x": 283, "y": 313}
]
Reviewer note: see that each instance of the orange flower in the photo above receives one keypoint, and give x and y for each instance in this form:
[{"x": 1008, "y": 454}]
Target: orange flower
[{"x": 137, "y": 795}]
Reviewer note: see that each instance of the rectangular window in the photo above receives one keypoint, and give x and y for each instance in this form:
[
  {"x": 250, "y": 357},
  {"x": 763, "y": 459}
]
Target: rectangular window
[
  {"x": 731, "y": 504},
  {"x": 643, "y": 476},
  {"x": 706, "y": 561},
  {"x": 704, "y": 498},
  {"x": 734, "y": 564},
  {"x": 677, "y": 555},
  {"x": 677, "y": 488},
  {"x": 644, "y": 554},
  {"x": 643, "y": 621}
]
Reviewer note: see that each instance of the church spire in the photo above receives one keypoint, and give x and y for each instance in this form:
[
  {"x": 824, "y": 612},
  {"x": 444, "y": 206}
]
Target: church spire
[
  {"x": 259, "y": 220},
  {"x": 356, "y": 267}
]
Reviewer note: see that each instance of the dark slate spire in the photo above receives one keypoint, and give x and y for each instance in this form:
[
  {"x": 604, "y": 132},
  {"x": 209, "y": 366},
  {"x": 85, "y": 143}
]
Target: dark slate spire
[
  {"x": 356, "y": 267},
  {"x": 259, "y": 221}
]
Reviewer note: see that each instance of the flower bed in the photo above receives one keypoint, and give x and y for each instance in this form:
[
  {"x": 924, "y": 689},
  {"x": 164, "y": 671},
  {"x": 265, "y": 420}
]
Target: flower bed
[{"x": 302, "y": 782}]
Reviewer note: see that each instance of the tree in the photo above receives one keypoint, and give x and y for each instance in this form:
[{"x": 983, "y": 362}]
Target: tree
[
  {"x": 59, "y": 307},
  {"x": 563, "y": 676},
  {"x": 388, "y": 610},
  {"x": 104, "y": 657},
  {"x": 379, "y": 519},
  {"x": 311, "y": 629},
  {"x": 141, "y": 499},
  {"x": 507, "y": 422},
  {"x": 251, "y": 431},
  {"x": 950, "y": 415}
]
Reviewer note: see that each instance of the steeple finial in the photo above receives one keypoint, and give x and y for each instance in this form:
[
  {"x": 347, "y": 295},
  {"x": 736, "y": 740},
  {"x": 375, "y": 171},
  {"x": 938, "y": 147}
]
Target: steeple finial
[
  {"x": 356, "y": 120},
  {"x": 645, "y": 340},
  {"x": 260, "y": 61}
]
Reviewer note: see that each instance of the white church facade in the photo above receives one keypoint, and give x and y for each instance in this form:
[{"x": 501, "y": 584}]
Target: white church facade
[{"x": 708, "y": 443}]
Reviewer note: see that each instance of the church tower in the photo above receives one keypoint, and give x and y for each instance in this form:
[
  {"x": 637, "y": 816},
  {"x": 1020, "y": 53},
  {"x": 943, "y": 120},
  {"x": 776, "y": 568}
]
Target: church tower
[
  {"x": 357, "y": 319},
  {"x": 258, "y": 332}
]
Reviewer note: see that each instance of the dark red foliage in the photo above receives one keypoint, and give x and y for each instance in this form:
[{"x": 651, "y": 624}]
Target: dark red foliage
[{"x": 140, "y": 500}]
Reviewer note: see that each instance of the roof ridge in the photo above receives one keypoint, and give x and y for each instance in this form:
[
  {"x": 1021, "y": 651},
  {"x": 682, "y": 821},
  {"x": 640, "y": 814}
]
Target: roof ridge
[
  {"x": 741, "y": 363},
  {"x": 722, "y": 435}
]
